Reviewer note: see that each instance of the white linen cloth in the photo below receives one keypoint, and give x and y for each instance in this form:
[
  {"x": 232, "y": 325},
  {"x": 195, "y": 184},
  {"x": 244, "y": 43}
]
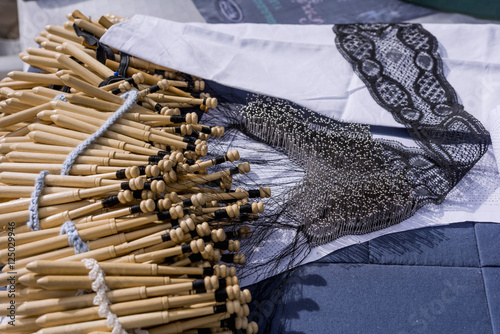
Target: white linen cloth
[{"x": 302, "y": 64}]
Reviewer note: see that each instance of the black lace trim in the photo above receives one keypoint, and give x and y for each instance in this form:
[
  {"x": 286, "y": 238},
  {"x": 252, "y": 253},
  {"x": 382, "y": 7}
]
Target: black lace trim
[{"x": 402, "y": 69}]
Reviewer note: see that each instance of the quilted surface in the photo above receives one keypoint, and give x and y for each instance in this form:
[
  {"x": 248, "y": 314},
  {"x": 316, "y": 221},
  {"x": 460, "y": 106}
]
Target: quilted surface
[{"x": 431, "y": 280}]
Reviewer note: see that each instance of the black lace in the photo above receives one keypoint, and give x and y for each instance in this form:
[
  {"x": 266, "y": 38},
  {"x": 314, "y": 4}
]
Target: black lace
[
  {"x": 352, "y": 184},
  {"x": 402, "y": 69}
]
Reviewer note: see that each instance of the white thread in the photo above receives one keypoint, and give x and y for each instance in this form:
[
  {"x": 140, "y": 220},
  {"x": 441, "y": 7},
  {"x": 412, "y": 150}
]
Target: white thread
[
  {"x": 97, "y": 275},
  {"x": 60, "y": 97},
  {"x": 73, "y": 237},
  {"x": 130, "y": 97},
  {"x": 33, "y": 222}
]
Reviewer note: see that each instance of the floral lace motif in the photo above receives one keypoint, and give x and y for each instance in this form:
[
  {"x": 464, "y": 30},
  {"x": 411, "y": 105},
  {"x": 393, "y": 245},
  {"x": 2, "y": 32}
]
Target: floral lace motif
[{"x": 402, "y": 69}]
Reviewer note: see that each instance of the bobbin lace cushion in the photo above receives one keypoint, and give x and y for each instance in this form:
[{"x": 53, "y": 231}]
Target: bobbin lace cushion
[{"x": 273, "y": 62}]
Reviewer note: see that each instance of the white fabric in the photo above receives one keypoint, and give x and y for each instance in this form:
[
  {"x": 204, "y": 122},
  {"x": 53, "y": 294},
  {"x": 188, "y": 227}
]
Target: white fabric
[
  {"x": 495, "y": 133},
  {"x": 302, "y": 64}
]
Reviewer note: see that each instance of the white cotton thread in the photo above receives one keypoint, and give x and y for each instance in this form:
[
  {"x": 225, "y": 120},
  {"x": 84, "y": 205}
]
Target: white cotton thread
[
  {"x": 60, "y": 97},
  {"x": 34, "y": 222},
  {"x": 74, "y": 239},
  {"x": 97, "y": 275},
  {"x": 130, "y": 98}
]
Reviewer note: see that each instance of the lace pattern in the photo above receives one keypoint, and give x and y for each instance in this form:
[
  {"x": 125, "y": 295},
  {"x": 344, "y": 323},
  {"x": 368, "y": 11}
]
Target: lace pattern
[{"x": 402, "y": 69}]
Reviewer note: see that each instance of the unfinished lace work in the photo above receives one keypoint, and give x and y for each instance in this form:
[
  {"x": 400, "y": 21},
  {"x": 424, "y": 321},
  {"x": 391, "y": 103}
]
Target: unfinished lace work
[
  {"x": 402, "y": 69},
  {"x": 348, "y": 187},
  {"x": 328, "y": 179}
]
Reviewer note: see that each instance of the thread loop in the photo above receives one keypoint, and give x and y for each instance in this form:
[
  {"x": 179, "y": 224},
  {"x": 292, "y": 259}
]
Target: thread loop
[{"x": 73, "y": 237}]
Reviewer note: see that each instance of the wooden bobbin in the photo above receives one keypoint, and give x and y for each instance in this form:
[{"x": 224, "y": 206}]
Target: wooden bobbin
[
  {"x": 131, "y": 307},
  {"x": 78, "y": 69},
  {"x": 147, "y": 77},
  {"x": 91, "y": 62},
  {"x": 88, "y": 26},
  {"x": 43, "y": 306},
  {"x": 60, "y": 31}
]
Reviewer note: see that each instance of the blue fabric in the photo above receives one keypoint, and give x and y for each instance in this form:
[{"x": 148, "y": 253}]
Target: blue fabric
[
  {"x": 307, "y": 11},
  {"x": 387, "y": 299},
  {"x": 433, "y": 280},
  {"x": 453, "y": 245},
  {"x": 492, "y": 288},
  {"x": 352, "y": 254},
  {"x": 488, "y": 240}
]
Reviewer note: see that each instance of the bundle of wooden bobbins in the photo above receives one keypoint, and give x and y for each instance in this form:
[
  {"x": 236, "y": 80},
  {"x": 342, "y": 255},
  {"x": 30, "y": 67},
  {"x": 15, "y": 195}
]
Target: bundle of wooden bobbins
[{"x": 128, "y": 234}]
